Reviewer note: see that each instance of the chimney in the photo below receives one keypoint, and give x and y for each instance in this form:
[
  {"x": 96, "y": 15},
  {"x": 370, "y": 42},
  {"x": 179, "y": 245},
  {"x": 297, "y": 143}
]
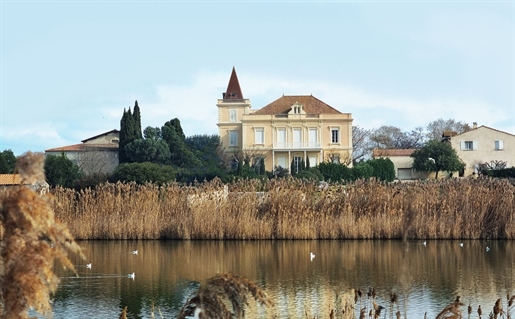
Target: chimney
[{"x": 474, "y": 124}]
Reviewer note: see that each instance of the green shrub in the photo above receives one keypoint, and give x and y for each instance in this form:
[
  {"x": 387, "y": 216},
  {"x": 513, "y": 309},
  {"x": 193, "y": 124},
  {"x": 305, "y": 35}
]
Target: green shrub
[
  {"x": 335, "y": 172},
  {"x": 501, "y": 173},
  {"x": 142, "y": 173},
  {"x": 384, "y": 170}
]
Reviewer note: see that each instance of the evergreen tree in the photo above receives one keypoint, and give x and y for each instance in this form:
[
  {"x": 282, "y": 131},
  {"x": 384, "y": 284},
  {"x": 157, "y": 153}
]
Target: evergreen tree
[
  {"x": 176, "y": 124},
  {"x": 137, "y": 121},
  {"x": 123, "y": 137},
  {"x": 130, "y": 130},
  {"x": 181, "y": 155},
  {"x": 437, "y": 157},
  {"x": 262, "y": 170},
  {"x": 7, "y": 162},
  {"x": 293, "y": 168},
  {"x": 59, "y": 170}
]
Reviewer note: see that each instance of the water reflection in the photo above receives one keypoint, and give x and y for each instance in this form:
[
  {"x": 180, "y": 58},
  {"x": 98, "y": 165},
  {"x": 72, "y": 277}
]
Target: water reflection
[{"x": 426, "y": 278}]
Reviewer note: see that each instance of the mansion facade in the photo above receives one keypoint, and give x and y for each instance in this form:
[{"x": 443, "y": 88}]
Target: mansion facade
[{"x": 287, "y": 131}]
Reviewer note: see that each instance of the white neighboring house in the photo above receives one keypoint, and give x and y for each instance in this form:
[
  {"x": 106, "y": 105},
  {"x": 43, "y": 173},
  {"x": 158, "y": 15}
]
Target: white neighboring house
[
  {"x": 97, "y": 154},
  {"x": 482, "y": 145},
  {"x": 403, "y": 163}
]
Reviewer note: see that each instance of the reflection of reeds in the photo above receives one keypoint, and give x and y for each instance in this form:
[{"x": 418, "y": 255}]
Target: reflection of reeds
[
  {"x": 292, "y": 209},
  {"x": 32, "y": 240}
]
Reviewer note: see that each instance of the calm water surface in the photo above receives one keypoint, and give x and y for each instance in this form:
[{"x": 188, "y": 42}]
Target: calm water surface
[{"x": 425, "y": 277}]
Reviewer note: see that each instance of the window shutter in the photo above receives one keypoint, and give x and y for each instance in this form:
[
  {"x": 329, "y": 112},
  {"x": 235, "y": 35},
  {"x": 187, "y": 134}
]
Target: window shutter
[
  {"x": 462, "y": 145},
  {"x": 474, "y": 145},
  {"x": 501, "y": 145}
]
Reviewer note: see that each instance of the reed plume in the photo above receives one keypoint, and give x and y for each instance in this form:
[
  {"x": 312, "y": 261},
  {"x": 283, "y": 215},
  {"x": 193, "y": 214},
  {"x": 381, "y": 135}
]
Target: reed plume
[
  {"x": 451, "y": 311},
  {"x": 211, "y": 299},
  {"x": 123, "y": 314},
  {"x": 32, "y": 240},
  {"x": 497, "y": 310}
]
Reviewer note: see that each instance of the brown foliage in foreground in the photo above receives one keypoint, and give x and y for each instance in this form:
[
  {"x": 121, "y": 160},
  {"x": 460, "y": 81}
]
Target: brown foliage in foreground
[
  {"x": 292, "y": 209},
  {"x": 32, "y": 240},
  {"x": 212, "y": 298}
]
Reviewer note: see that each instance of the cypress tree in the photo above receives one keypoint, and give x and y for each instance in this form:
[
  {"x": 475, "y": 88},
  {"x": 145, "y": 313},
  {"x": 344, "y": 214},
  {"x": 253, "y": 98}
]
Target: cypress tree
[
  {"x": 128, "y": 134},
  {"x": 123, "y": 138},
  {"x": 137, "y": 121},
  {"x": 262, "y": 166}
]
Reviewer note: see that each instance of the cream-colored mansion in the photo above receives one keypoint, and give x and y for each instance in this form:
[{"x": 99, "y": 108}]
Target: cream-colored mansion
[{"x": 289, "y": 130}]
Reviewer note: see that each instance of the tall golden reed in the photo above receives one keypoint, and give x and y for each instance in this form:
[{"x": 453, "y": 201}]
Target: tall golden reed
[
  {"x": 32, "y": 240},
  {"x": 292, "y": 209}
]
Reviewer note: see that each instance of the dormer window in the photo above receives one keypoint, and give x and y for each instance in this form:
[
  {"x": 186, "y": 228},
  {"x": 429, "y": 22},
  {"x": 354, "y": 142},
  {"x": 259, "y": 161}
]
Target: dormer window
[{"x": 296, "y": 108}]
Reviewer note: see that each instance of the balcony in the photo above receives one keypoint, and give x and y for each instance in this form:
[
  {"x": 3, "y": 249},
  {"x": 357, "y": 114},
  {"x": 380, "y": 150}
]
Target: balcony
[{"x": 297, "y": 146}]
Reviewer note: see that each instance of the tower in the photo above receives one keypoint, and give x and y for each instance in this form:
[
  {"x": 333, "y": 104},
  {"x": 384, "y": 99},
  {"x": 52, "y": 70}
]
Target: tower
[{"x": 231, "y": 109}]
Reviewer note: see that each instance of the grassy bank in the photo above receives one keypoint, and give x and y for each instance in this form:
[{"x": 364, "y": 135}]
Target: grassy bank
[{"x": 292, "y": 209}]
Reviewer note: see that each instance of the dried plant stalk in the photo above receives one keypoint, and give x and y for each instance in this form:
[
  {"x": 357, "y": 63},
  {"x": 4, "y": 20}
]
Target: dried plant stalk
[
  {"x": 32, "y": 241},
  {"x": 211, "y": 300}
]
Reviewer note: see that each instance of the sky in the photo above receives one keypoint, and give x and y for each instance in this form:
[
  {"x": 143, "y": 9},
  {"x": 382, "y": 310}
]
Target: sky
[{"x": 68, "y": 69}]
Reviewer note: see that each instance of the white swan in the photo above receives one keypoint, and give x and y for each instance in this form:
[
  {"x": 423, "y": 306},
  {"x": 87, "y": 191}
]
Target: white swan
[
  {"x": 134, "y": 252},
  {"x": 311, "y": 256},
  {"x": 88, "y": 266},
  {"x": 131, "y": 276}
]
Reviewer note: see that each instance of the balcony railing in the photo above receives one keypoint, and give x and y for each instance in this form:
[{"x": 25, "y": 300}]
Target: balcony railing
[{"x": 297, "y": 145}]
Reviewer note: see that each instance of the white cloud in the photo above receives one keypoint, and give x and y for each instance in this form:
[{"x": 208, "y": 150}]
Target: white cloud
[
  {"x": 195, "y": 105},
  {"x": 27, "y": 137}
]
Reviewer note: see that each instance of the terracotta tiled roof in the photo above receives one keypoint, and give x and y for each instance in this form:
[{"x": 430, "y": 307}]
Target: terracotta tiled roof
[
  {"x": 11, "y": 179},
  {"x": 377, "y": 152},
  {"x": 310, "y": 104},
  {"x": 106, "y": 133},
  {"x": 487, "y": 127},
  {"x": 233, "y": 88},
  {"x": 83, "y": 147}
]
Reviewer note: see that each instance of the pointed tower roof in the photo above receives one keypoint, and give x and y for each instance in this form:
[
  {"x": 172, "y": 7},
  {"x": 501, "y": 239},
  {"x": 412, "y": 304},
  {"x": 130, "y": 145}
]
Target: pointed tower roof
[{"x": 233, "y": 88}]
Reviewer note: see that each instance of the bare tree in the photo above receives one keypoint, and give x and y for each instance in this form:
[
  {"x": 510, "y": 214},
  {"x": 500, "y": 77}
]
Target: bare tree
[
  {"x": 96, "y": 161},
  {"x": 337, "y": 157},
  {"x": 393, "y": 137},
  {"x": 361, "y": 144},
  {"x": 435, "y": 129}
]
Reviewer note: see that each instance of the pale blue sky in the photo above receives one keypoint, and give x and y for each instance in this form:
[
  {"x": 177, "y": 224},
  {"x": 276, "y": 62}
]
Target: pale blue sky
[{"x": 69, "y": 68}]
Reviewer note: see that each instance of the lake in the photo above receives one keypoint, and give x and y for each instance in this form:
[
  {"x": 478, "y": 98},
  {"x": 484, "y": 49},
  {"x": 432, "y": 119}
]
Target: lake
[{"x": 426, "y": 277}]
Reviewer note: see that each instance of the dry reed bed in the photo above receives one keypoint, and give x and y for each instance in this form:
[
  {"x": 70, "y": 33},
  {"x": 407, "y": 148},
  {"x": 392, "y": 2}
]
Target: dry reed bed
[{"x": 292, "y": 209}]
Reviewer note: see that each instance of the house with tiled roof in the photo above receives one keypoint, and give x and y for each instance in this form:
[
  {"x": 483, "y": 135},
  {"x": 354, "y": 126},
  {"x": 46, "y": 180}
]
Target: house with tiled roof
[
  {"x": 402, "y": 162},
  {"x": 97, "y": 154},
  {"x": 291, "y": 129},
  {"x": 9, "y": 180},
  {"x": 483, "y": 145}
]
